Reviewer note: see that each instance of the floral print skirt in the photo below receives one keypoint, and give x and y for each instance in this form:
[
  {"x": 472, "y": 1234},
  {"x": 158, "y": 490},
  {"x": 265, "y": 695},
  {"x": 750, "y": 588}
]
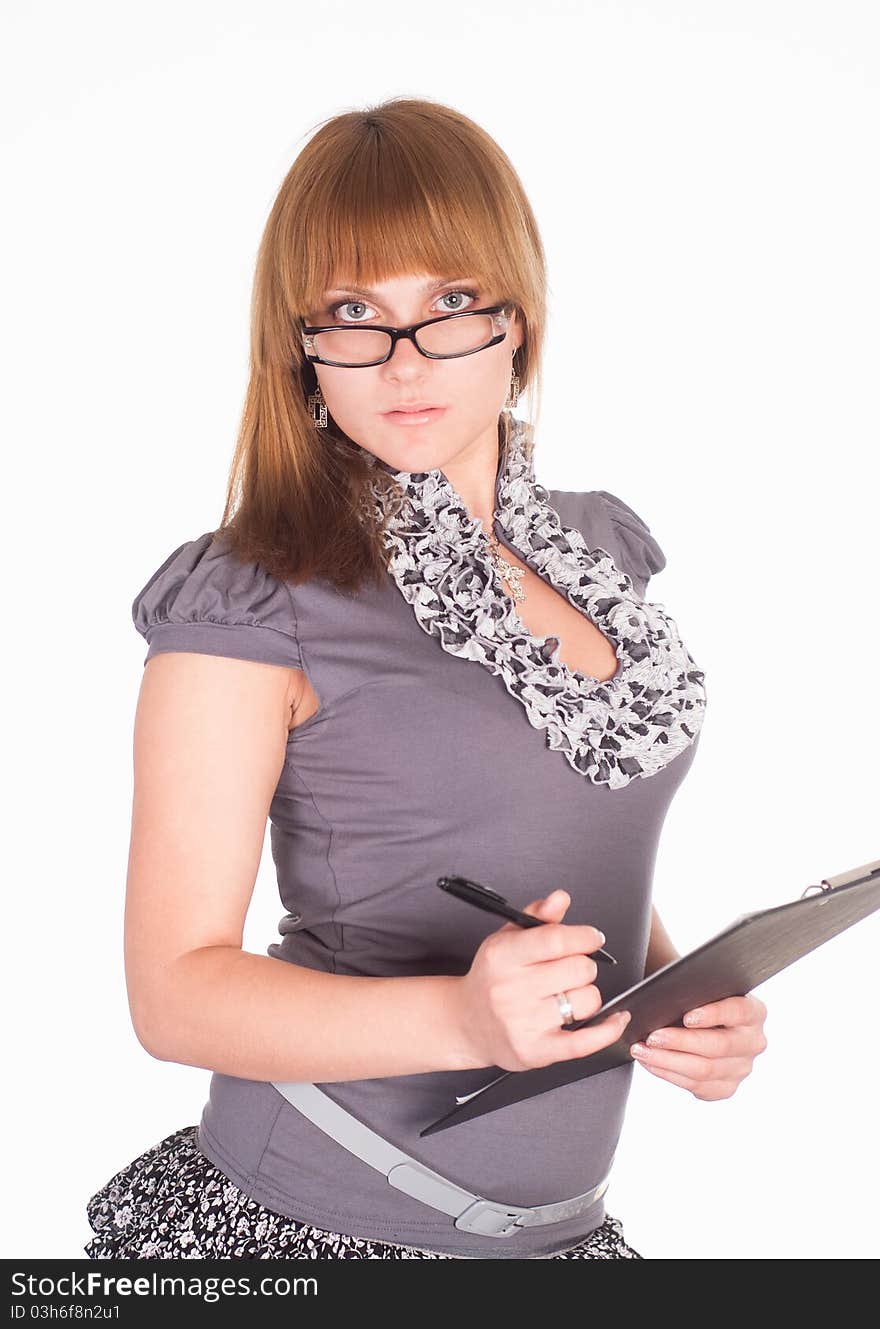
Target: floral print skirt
[{"x": 172, "y": 1203}]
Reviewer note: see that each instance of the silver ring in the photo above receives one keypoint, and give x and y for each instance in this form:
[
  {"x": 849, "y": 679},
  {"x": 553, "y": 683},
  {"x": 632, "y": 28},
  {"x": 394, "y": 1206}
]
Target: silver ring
[{"x": 565, "y": 1009}]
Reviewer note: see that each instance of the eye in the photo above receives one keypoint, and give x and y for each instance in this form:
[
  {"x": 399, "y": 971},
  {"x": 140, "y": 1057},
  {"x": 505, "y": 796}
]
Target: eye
[
  {"x": 454, "y": 295},
  {"x": 448, "y": 295},
  {"x": 356, "y": 304}
]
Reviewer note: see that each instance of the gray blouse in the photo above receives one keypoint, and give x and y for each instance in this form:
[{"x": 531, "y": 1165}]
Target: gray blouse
[{"x": 449, "y": 740}]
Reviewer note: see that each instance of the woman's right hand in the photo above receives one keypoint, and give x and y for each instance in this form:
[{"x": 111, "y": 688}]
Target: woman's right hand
[{"x": 509, "y": 1012}]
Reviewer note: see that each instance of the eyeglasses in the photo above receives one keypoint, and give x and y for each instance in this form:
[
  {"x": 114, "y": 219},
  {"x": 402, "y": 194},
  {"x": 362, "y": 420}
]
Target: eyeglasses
[{"x": 442, "y": 338}]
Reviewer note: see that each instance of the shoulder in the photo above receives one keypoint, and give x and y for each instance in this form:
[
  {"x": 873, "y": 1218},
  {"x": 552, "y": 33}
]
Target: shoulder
[
  {"x": 203, "y": 598},
  {"x": 607, "y": 522}
]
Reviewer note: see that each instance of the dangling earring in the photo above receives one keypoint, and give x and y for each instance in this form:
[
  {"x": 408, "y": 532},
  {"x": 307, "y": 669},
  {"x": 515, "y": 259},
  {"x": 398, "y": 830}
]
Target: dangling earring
[
  {"x": 513, "y": 390},
  {"x": 318, "y": 407}
]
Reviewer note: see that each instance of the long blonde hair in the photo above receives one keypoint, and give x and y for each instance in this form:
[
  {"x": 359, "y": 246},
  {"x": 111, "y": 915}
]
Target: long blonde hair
[{"x": 409, "y": 185}]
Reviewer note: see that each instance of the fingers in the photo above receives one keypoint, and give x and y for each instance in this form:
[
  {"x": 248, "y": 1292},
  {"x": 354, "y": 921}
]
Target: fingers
[
  {"x": 553, "y": 941},
  {"x": 695, "y": 1067},
  {"x": 566, "y": 1046},
  {"x": 566, "y": 975},
  {"x": 731, "y": 1011},
  {"x": 719, "y": 1042},
  {"x": 529, "y": 1050},
  {"x": 584, "y": 1001},
  {"x": 552, "y": 907}
]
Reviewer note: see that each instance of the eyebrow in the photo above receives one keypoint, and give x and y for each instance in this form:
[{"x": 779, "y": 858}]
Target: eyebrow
[{"x": 425, "y": 289}]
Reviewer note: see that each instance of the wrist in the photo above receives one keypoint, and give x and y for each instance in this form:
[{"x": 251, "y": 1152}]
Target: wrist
[{"x": 461, "y": 1055}]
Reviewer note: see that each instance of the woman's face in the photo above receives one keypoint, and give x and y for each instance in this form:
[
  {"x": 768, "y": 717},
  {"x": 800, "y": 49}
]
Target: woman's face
[{"x": 471, "y": 389}]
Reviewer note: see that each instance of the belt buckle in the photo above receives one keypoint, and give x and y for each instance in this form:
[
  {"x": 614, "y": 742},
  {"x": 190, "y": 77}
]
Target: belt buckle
[{"x": 490, "y": 1219}]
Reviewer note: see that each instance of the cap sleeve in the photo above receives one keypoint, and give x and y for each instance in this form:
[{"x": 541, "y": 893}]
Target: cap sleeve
[
  {"x": 203, "y": 599},
  {"x": 640, "y": 554}
]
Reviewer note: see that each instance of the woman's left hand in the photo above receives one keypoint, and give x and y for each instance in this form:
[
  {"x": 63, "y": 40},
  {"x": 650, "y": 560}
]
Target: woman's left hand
[{"x": 714, "y": 1053}]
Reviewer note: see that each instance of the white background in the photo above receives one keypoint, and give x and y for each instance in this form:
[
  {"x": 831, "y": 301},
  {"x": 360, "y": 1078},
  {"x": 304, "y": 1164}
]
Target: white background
[{"x": 705, "y": 178}]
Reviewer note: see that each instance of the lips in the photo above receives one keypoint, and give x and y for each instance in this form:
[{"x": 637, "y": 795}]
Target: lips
[
  {"x": 413, "y": 408},
  {"x": 414, "y": 417}
]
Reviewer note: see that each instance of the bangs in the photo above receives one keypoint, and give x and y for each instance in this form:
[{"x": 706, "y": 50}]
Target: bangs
[{"x": 376, "y": 205}]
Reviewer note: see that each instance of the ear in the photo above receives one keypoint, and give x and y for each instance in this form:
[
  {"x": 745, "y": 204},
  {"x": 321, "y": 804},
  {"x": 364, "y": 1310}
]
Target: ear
[{"x": 516, "y": 331}]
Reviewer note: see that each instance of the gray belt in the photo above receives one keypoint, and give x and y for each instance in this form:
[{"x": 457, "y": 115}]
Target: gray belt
[{"x": 473, "y": 1213}]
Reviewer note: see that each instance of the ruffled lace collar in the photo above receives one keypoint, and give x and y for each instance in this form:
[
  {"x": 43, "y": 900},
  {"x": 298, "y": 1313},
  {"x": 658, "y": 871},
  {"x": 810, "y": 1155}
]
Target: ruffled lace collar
[{"x": 631, "y": 725}]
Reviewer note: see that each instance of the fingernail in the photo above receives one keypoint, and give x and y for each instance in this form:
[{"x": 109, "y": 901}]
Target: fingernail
[
  {"x": 693, "y": 1017},
  {"x": 601, "y": 937},
  {"x": 624, "y": 1015}
]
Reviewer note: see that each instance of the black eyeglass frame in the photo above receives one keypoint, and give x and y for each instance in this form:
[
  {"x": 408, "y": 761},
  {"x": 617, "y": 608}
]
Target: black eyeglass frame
[{"x": 306, "y": 334}]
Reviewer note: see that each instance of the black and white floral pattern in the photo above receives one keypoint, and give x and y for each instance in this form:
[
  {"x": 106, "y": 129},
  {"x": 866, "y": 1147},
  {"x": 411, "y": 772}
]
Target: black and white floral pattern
[
  {"x": 172, "y": 1203},
  {"x": 611, "y": 731}
]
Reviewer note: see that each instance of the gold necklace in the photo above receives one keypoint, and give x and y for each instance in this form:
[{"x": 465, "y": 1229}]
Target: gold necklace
[{"x": 508, "y": 571}]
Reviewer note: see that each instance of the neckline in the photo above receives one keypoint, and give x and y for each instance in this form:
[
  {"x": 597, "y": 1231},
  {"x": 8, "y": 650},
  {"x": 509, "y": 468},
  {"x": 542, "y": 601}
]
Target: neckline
[
  {"x": 522, "y": 456},
  {"x": 520, "y": 500},
  {"x": 542, "y": 644},
  {"x": 610, "y": 730}
]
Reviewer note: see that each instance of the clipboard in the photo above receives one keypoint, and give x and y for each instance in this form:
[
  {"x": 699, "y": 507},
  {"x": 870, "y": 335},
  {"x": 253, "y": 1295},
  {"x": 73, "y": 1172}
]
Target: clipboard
[{"x": 748, "y": 951}]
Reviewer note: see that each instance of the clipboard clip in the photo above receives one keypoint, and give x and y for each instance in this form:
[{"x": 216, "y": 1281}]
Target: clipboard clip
[{"x": 844, "y": 878}]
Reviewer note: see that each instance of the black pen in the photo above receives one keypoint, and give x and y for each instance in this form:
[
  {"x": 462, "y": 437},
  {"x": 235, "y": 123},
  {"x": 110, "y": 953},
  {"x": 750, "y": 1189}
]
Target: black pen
[{"x": 485, "y": 898}]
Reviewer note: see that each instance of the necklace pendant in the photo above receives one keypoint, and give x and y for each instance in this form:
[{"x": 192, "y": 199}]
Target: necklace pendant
[
  {"x": 515, "y": 588},
  {"x": 512, "y": 575}
]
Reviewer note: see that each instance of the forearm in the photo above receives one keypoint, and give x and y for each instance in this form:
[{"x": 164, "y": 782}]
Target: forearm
[
  {"x": 660, "y": 947},
  {"x": 259, "y": 1018}
]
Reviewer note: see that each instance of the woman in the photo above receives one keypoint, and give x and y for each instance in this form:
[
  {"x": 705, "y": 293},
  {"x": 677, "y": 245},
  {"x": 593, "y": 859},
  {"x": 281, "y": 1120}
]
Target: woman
[{"x": 415, "y": 661}]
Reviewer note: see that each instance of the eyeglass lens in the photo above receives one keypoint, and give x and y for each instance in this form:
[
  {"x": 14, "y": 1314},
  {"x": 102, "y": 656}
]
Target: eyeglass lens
[{"x": 357, "y": 346}]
